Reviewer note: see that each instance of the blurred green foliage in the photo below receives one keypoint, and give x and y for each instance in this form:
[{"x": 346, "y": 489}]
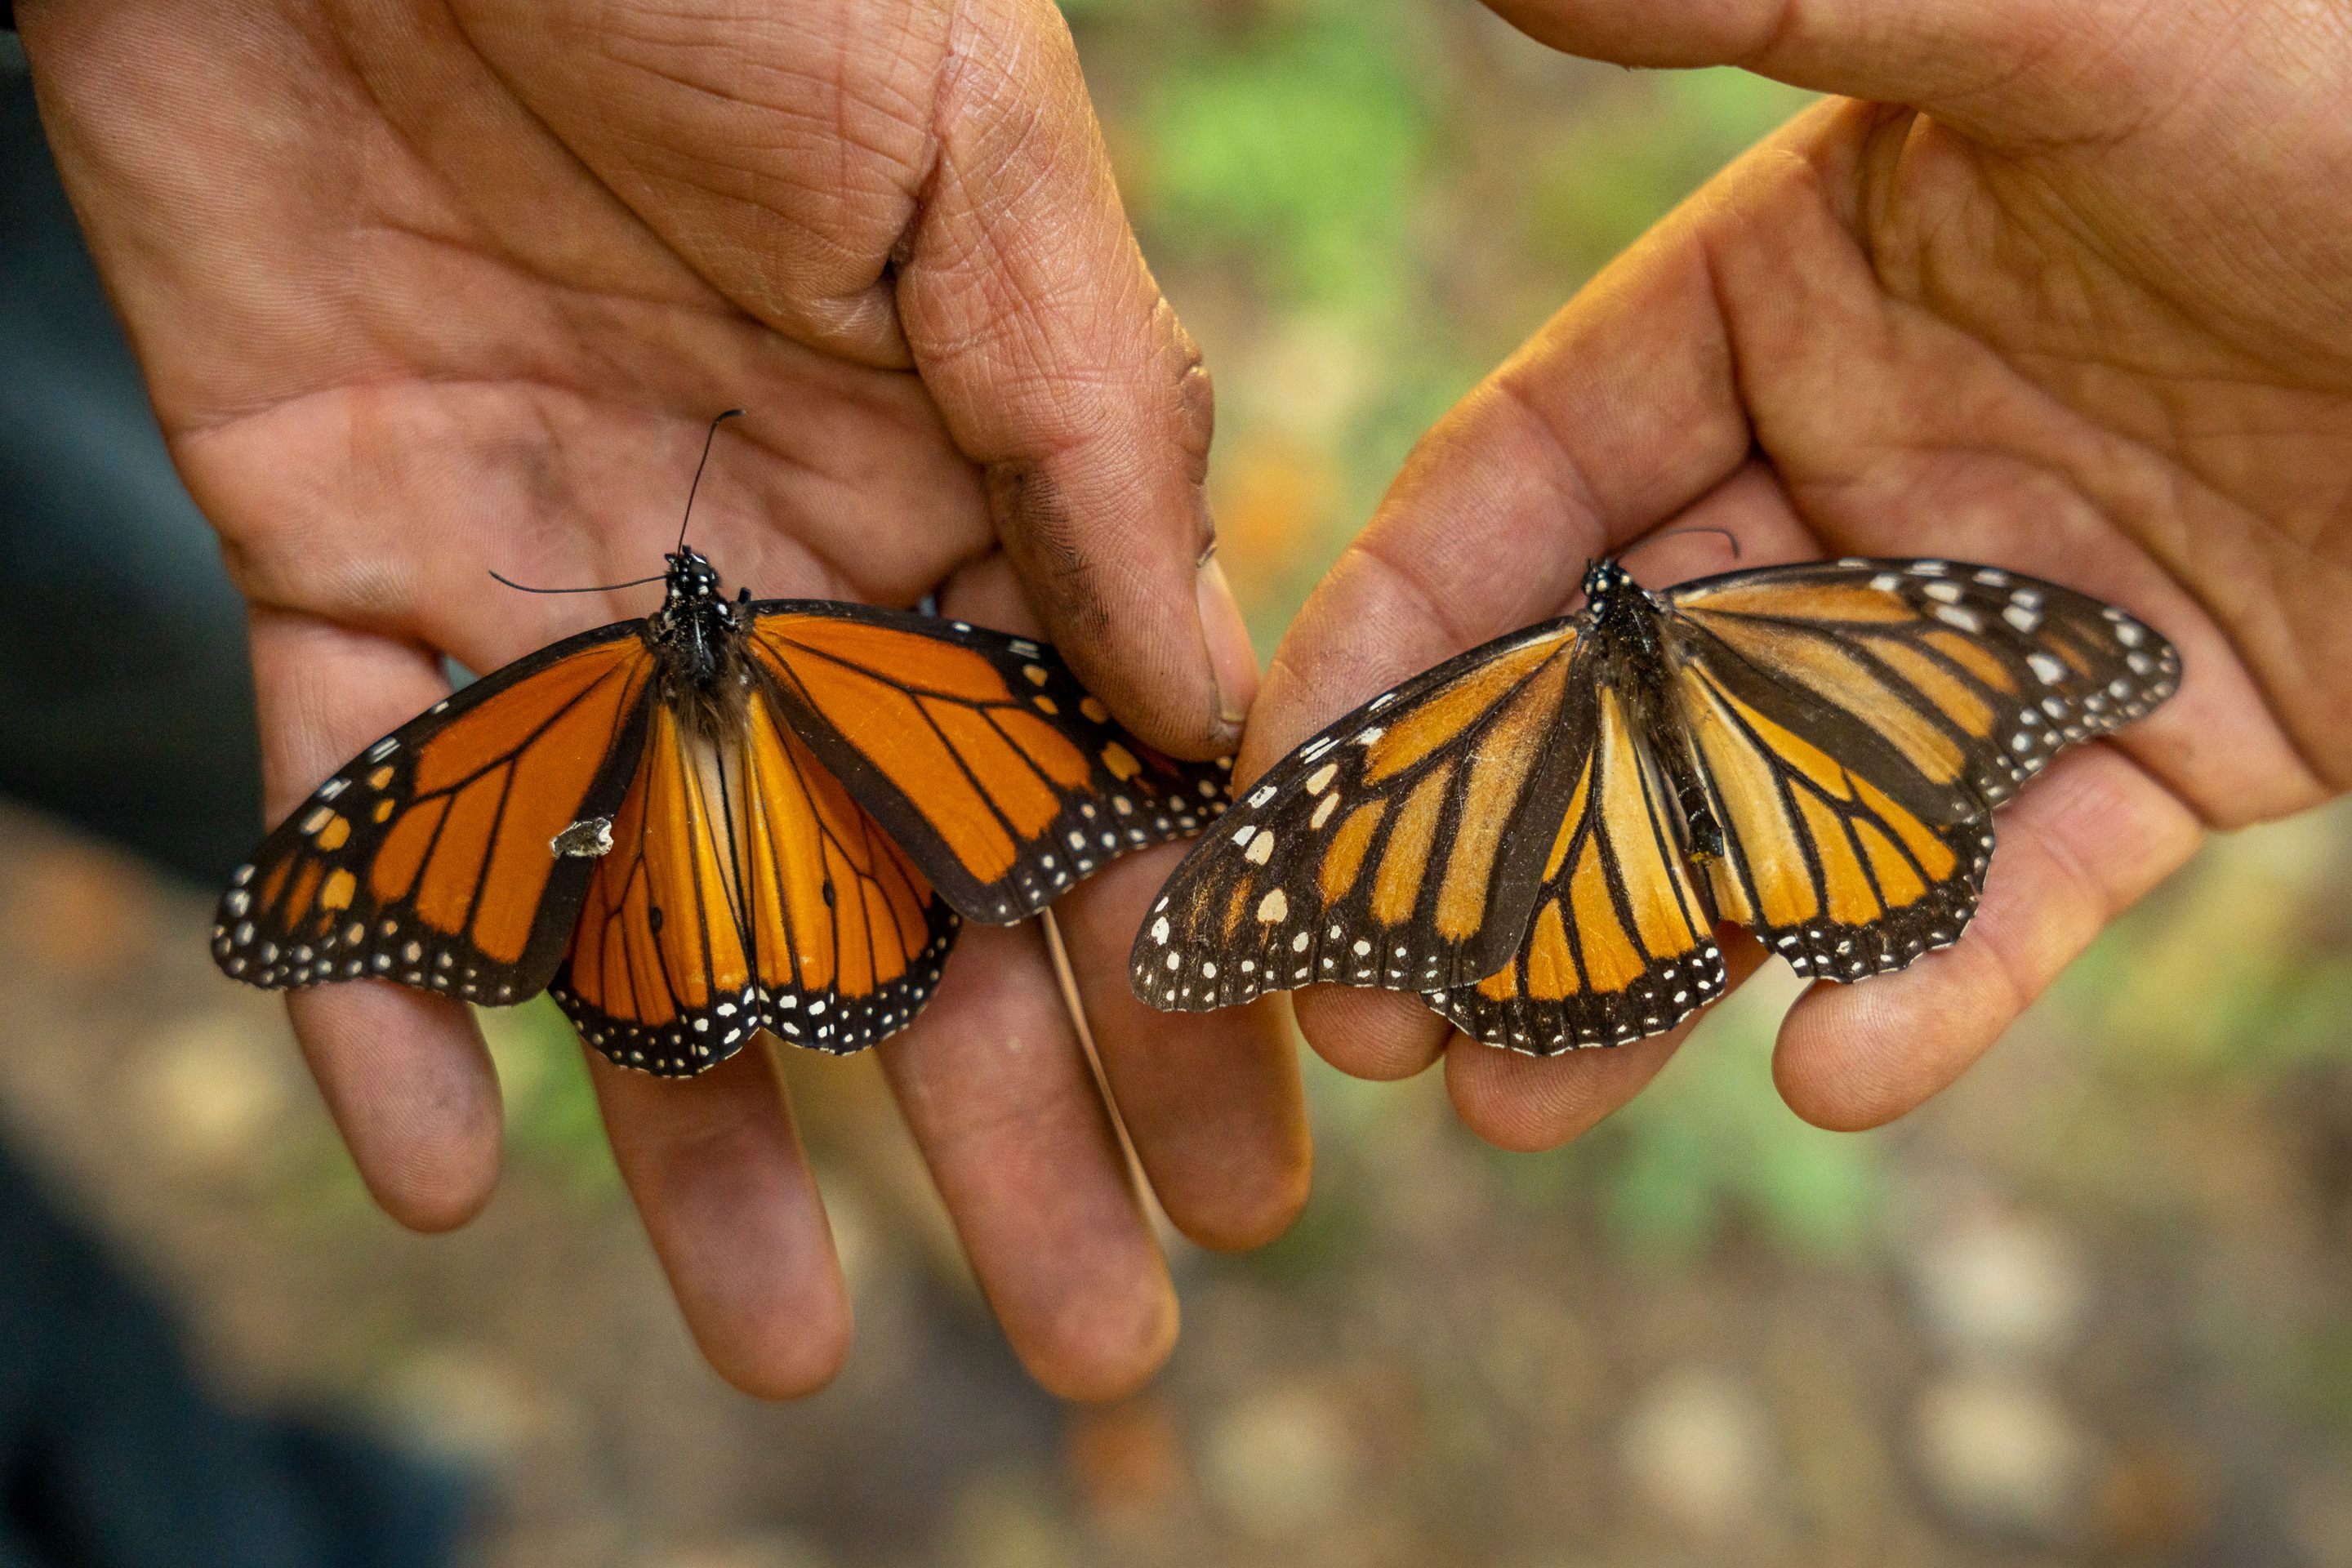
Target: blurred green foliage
[
  {"x": 1641, "y": 145},
  {"x": 1296, "y": 151},
  {"x": 552, "y": 1121},
  {"x": 1360, "y": 206},
  {"x": 2241, "y": 968},
  {"x": 1708, "y": 1147}
]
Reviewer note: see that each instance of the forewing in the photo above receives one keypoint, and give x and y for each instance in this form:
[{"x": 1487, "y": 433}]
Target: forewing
[
  {"x": 978, "y": 751},
  {"x": 1950, "y": 683},
  {"x": 745, "y": 890},
  {"x": 430, "y": 857},
  {"x": 1400, "y": 847},
  {"x": 1620, "y": 944}
]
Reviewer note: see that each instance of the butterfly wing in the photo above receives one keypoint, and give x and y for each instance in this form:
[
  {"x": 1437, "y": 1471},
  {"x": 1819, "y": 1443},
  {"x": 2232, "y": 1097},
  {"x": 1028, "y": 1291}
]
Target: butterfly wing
[
  {"x": 1971, "y": 677},
  {"x": 1820, "y": 860},
  {"x": 746, "y": 890},
  {"x": 1620, "y": 944},
  {"x": 1858, "y": 721},
  {"x": 978, "y": 751},
  {"x": 1400, "y": 847},
  {"x": 430, "y": 857}
]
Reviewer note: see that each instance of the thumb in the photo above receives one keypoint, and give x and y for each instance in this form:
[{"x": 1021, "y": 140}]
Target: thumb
[
  {"x": 2027, "y": 70},
  {"x": 1060, "y": 368}
]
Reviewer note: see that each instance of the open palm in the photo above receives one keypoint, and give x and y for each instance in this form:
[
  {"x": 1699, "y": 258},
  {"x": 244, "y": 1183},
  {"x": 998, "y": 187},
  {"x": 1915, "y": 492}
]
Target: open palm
[
  {"x": 423, "y": 291},
  {"x": 2068, "y": 297}
]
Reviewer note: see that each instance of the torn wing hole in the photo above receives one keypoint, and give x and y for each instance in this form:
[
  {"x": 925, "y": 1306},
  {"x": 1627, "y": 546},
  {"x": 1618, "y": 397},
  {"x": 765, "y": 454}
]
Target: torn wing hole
[{"x": 590, "y": 838}]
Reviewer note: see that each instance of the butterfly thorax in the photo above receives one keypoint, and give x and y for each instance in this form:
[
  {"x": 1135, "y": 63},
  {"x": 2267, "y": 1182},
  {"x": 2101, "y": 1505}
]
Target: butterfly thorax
[
  {"x": 1634, "y": 647},
  {"x": 1627, "y": 628},
  {"x": 697, "y": 639}
]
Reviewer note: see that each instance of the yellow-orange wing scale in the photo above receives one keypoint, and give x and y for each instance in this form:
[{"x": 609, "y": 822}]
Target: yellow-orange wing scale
[
  {"x": 1400, "y": 847},
  {"x": 1953, "y": 683},
  {"x": 1821, "y": 862},
  {"x": 431, "y": 857},
  {"x": 978, "y": 751},
  {"x": 1620, "y": 944},
  {"x": 1540, "y": 835},
  {"x": 744, "y": 889}
]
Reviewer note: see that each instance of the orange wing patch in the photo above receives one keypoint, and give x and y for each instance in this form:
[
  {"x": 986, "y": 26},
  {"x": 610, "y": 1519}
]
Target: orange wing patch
[
  {"x": 429, "y": 859},
  {"x": 1401, "y": 847},
  {"x": 978, "y": 752},
  {"x": 1967, "y": 678},
  {"x": 745, "y": 889},
  {"x": 1812, "y": 751},
  {"x": 1829, "y": 871},
  {"x": 1621, "y": 944}
]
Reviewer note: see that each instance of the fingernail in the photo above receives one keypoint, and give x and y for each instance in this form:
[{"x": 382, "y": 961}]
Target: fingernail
[{"x": 1231, "y": 660}]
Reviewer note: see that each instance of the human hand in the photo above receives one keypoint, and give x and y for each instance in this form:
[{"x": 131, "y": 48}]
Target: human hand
[
  {"x": 2070, "y": 300},
  {"x": 424, "y": 290}
]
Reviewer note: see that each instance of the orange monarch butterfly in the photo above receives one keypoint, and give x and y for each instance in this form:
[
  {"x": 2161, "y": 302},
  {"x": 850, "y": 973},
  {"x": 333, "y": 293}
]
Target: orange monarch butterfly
[
  {"x": 727, "y": 816},
  {"x": 1540, "y": 835}
]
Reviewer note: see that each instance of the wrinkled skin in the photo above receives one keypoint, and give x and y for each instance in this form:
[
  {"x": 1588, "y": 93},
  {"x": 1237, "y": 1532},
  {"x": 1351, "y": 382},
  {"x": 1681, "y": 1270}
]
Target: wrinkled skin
[
  {"x": 423, "y": 289},
  {"x": 2071, "y": 295}
]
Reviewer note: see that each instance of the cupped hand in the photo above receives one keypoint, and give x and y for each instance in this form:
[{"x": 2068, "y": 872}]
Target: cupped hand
[
  {"x": 2061, "y": 286},
  {"x": 424, "y": 290}
]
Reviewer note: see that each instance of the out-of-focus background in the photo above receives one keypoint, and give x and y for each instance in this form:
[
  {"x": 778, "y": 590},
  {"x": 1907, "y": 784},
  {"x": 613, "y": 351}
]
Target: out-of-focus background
[{"x": 2093, "y": 1306}]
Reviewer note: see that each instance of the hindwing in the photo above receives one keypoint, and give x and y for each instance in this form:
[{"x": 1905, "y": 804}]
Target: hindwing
[
  {"x": 1620, "y": 944},
  {"x": 1821, "y": 860},
  {"x": 1499, "y": 834},
  {"x": 744, "y": 889}
]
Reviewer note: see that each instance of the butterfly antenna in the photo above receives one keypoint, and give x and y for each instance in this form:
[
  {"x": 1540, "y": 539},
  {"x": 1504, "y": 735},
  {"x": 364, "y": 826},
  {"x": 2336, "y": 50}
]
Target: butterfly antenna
[
  {"x": 593, "y": 588},
  {"x": 640, "y": 581},
  {"x": 1732, "y": 538},
  {"x": 707, "y": 440}
]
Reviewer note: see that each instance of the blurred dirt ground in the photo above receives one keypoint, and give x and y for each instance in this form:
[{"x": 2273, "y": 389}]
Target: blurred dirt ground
[{"x": 2091, "y": 1306}]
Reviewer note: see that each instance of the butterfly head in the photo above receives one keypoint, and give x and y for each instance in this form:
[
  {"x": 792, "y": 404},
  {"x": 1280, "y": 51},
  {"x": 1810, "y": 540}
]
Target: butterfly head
[
  {"x": 1605, "y": 581},
  {"x": 691, "y": 578}
]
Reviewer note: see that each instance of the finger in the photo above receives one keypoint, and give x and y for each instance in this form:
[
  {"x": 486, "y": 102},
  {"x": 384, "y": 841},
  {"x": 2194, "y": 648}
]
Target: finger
[
  {"x": 2087, "y": 839},
  {"x": 999, "y": 1096},
  {"x": 1062, "y": 369},
  {"x": 731, "y": 1208},
  {"x": 1527, "y": 1103},
  {"x": 405, "y": 1075},
  {"x": 1211, "y": 1101},
  {"x": 1380, "y": 1035},
  {"x": 2057, "y": 70}
]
